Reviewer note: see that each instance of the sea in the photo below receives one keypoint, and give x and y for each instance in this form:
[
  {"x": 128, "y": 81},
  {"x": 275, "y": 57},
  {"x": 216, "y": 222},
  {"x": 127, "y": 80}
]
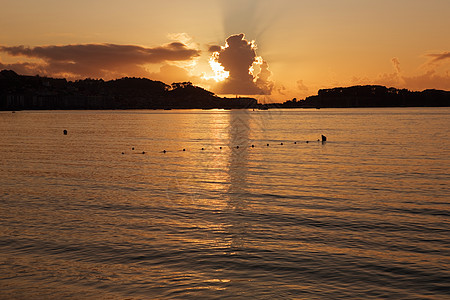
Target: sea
[{"x": 225, "y": 204}]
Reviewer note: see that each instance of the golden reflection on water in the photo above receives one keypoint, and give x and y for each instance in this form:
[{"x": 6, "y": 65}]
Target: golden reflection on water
[
  {"x": 79, "y": 215},
  {"x": 239, "y": 132},
  {"x": 225, "y": 172}
]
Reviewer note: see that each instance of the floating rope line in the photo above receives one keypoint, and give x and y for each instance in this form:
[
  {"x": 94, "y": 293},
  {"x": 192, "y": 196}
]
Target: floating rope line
[{"x": 323, "y": 139}]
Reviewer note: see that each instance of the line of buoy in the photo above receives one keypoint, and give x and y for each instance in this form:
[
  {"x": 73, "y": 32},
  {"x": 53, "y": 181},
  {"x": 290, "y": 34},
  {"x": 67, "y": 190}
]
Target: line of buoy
[{"x": 323, "y": 139}]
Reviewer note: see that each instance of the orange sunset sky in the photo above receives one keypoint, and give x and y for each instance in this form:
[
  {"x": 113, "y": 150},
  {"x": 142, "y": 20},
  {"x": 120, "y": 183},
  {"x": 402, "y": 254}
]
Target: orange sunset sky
[{"x": 270, "y": 49}]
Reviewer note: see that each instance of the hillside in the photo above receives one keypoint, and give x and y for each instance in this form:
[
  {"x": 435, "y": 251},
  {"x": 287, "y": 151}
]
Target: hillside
[
  {"x": 372, "y": 96},
  {"x": 35, "y": 92}
]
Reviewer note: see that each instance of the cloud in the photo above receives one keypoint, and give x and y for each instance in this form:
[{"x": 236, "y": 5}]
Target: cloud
[
  {"x": 100, "y": 60},
  {"x": 301, "y": 86},
  {"x": 239, "y": 59},
  {"x": 170, "y": 73},
  {"x": 390, "y": 79},
  {"x": 23, "y": 68},
  {"x": 438, "y": 57},
  {"x": 427, "y": 80},
  {"x": 281, "y": 89},
  {"x": 262, "y": 81},
  {"x": 396, "y": 64},
  {"x": 430, "y": 79},
  {"x": 214, "y": 48}
]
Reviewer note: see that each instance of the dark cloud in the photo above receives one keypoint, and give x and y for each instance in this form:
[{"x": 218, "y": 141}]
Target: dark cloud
[
  {"x": 100, "y": 60},
  {"x": 438, "y": 57},
  {"x": 214, "y": 48},
  {"x": 238, "y": 58},
  {"x": 23, "y": 68}
]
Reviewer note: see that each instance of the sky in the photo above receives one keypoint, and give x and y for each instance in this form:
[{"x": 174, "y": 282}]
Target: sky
[{"x": 274, "y": 50}]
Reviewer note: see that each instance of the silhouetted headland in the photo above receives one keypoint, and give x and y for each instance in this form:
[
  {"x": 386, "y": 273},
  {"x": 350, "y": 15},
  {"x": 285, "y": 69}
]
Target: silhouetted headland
[
  {"x": 371, "y": 96},
  {"x": 18, "y": 92},
  {"x": 36, "y": 92}
]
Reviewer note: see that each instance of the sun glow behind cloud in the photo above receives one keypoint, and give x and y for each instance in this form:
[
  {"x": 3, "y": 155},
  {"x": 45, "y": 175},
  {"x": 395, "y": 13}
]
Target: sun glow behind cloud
[
  {"x": 219, "y": 71},
  {"x": 255, "y": 68},
  {"x": 220, "y": 74},
  {"x": 238, "y": 69}
]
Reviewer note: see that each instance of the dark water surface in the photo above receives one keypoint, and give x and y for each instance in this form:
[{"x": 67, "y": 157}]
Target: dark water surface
[{"x": 364, "y": 216}]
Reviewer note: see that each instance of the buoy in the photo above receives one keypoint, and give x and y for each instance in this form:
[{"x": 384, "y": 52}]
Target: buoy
[
  {"x": 164, "y": 151},
  {"x": 203, "y": 149},
  {"x": 143, "y": 152},
  {"x": 237, "y": 147},
  {"x": 220, "y": 148},
  {"x": 184, "y": 149},
  {"x": 65, "y": 132},
  {"x": 132, "y": 148},
  {"x": 123, "y": 153},
  {"x": 307, "y": 142},
  {"x": 281, "y": 144},
  {"x": 267, "y": 145},
  {"x": 253, "y": 146},
  {"x": 295, "y": 142}
]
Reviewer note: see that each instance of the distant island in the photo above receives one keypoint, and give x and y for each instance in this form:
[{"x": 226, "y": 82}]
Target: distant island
[
  {"x": 19, "y": 92},
  {"x": 371, "y": 96}
]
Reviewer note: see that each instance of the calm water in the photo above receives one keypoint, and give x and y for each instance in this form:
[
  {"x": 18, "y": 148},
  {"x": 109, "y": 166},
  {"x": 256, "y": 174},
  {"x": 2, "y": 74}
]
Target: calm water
[{"x": 365, "y": 215}]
